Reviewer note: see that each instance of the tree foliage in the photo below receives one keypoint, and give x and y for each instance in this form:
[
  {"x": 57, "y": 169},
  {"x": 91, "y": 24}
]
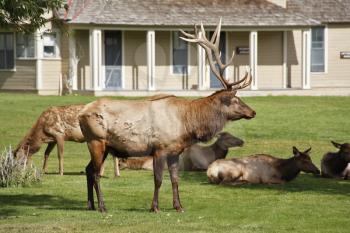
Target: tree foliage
[{"x": 26, "y": 15}]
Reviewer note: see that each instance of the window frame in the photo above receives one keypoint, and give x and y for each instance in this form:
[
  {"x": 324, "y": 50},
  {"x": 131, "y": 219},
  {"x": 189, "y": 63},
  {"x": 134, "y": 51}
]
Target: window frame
[
  {"x": 57, "y": 46},
  {"x": 26, "y": 48},
  {"x": 13, "y": 50},
  {"x": 172, "y": 54},
  {"x": 325, "y": 51}
]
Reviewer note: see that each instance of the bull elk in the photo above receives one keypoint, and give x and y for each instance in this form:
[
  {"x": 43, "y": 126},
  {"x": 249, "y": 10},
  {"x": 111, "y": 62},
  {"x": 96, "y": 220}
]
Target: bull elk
[
  {"x": 264, "y": 169},
  {"x": 54, "y": 126},
  {"x": 162, "y": 127}
]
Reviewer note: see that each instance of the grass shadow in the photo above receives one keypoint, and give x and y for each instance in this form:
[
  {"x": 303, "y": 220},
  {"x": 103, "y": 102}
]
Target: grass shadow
[
  {"x": 10, "y": 203},
  {"x": 67, "y": 173},
  {"x": 193, "y": 177}
]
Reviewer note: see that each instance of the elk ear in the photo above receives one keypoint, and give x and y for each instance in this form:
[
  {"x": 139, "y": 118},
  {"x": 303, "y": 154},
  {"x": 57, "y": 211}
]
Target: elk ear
[
  {"x": 234, "y": 93},
  {"x": 337, "y": 145},
  {"x": 296, "y": 152},
  {"x": 307, "y": 151}
]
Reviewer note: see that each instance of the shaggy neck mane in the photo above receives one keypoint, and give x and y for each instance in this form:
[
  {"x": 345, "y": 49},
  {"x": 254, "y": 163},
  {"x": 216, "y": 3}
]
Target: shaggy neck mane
[{"x": 203, "y": 117}]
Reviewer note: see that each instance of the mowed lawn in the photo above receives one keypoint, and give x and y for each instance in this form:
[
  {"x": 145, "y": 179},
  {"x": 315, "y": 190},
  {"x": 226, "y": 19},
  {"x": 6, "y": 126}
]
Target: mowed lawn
[{"x": 307, "y": 204}]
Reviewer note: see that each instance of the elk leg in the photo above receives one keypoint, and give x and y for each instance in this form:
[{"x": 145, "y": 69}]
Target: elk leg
[
  {"x": 102, "y": 170},
  {"x": 90, "y": 183},
  {"x": 48, "y": 150},
  {"x": 60, "y": 146},
  {"x": 98, "y": 155},
  {"x": 116, "y": 167},
  {"x": 158, "y": 166},
  {"x": 173, "y": 167}
]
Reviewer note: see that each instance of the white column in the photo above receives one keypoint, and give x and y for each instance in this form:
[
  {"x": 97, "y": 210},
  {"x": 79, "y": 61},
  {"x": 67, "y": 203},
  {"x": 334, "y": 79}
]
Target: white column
[
  {"x": 39, "y": 57},
  {"x": 201, "y": 66},
  {"x": 73, "y": 61},
  {"x": 96, "y": 58},
  {"x": 151, "y": 60},
  {"x": 306, "y": 58},
  {"x": 285, "y": 60},
  {"x": 253, "y": 56}
]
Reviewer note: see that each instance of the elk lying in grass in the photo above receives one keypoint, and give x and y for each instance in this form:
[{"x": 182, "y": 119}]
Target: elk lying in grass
[
  {"x": 335, "y": 165},
  {"x": 261, "y": 168},
  {"x": 194, "y": 158},
  {"x": 54, "y": 126},
  {"x": 162, "y": 128}
]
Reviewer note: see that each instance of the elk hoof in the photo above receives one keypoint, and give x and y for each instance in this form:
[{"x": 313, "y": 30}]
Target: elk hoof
[
  {"x": 179, "y": 209},
  {"x": 102, "y": 209},
  {"x": 154, "y": 209},
  {"x": 90, "y": 206}
]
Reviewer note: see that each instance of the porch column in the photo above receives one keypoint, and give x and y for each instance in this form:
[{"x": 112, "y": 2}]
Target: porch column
[
  {"x": 201, "y": 66},
  {"x": 151, "y": 60},
  {"x": 306, "y": 58},
  {"x": 253, "y": 52},
  {"x": 39, "y": 57},
  {"x": 73, "y": 61},
  {"x": 285, "y": 60},
  {"x": 96, "y": 58}
]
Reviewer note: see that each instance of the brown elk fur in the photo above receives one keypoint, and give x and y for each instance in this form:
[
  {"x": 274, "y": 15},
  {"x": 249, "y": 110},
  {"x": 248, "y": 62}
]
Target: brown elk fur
[
  {"x": 261, "y": 168},
  {"x": 162, "y": 128},
  {"x": 336, "y": 165}
]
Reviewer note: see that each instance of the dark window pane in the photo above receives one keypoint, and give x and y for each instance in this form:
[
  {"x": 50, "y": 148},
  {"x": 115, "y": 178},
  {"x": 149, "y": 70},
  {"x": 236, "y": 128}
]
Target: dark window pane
[
  {"x": 318, "y": 50},
  {"x": 180, "y": 58}
]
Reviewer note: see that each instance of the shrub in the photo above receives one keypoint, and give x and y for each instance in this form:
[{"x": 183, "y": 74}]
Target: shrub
[{"x": 15, "y": 171}]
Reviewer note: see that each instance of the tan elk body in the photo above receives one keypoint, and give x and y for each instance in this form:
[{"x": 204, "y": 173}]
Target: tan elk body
[
  {"x": 162, "y": 128},
  {"x": 264, "y": 169}
]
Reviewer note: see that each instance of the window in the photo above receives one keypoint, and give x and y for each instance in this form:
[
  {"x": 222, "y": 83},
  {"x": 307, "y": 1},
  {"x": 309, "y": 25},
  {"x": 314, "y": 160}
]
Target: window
[
  {"x": 179, "y": 54},
  {"x": 50, "y": 45},
  {"x": 318, "y": 50},
  {"x": 6, "y": 51},
  {"x": 25, "y": 45}
]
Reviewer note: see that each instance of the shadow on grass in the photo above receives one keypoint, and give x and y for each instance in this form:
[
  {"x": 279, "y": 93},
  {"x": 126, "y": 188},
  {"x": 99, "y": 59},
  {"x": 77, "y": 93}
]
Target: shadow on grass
[
  {"x": 66, "y": 173},
  {"x": 303, "y": 183},
  {"x": 10, "y": 203}
]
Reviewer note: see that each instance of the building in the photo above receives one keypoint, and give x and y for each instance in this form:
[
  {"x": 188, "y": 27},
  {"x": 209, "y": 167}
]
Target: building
[{"x": 121, "y": 47}]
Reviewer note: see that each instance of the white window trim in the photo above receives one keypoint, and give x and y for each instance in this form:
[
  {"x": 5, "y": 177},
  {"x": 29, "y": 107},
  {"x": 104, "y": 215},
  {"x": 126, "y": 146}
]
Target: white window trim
[
  {"x": 103, "y": 65},
  {"x": 57, "y": 47},
  {"x": 325, "y": 53},
  {"x": 27, "y": 58},
  {"x": 14, "y": 53},
  {"x": 171, "y": 57}
]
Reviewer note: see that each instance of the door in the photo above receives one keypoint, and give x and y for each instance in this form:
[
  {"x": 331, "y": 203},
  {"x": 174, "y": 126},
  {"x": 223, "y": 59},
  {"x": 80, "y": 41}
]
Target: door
[
  {"x": 113, "y": 60},
  {"x": 214, "y": 82}
]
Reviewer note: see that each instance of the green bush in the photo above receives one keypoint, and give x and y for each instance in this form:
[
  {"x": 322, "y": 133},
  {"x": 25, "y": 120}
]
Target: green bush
[{"x": 15, "y": 171}]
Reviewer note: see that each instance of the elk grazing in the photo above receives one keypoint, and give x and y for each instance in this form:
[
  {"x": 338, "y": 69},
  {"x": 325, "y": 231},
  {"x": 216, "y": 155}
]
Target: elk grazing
[
  {"x": 54, "y": 126},
  {"x": 162, "y": 128},
  {"x": 194, "y": 158},
  {"x": 336, "y": 165},
  {"x": 261, "y": 168}
]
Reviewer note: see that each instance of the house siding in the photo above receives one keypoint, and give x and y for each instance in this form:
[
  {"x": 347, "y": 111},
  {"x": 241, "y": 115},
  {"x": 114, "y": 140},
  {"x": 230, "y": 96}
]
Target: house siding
[
  {"x": 51, "y": 74},
  {"x": 338, "y": 74},
  {"x": 294, "y": 64},
  {"x": 23, "y": 78},
  {"x": 82, "y": 48}
]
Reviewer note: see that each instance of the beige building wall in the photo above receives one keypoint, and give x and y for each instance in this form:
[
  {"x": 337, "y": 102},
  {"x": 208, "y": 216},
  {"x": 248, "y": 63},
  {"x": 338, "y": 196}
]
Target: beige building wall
[
  {"x": 164, "y": 79},
  {"x": 270, "y": 60},
  {"x": 338, "y": 74},
  {"x": 51, "y": 74},
  {"x": 135, "y": 60},
  {"x": 82, "y": 49},
  {"x": 294, "y": 63},
  {"x": 22, "y": 78}
]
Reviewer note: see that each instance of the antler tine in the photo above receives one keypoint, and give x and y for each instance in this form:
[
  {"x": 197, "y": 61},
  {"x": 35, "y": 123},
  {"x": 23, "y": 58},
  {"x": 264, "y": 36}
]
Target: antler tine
[
  {"x": 243, "y": 83},
  {"x": 218, "y": 34}
]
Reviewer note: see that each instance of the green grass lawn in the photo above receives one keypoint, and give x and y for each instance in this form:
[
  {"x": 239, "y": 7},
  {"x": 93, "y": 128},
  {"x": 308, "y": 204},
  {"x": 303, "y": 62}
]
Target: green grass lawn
[{"x": 307, "y": 204}]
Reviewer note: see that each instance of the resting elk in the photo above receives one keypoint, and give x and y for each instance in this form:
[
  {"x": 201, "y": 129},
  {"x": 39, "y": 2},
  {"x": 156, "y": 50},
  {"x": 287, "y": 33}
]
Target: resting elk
[
  {"x": 336, "y": 165},
  {"x": 162, "y": 128},
  {"x": 194, "y": 158},
  {"x": 261, "y": 168},
  {"x": 54, "y": 126}
]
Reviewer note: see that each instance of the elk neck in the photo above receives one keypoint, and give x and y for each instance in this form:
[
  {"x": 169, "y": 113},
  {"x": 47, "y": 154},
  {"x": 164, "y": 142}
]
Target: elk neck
[
  {"x": 32, "y": 140},
  {"x": 288, "y": 168},
  {"x": 203, "y": 118},
  {"x": 220, "y": 151}
]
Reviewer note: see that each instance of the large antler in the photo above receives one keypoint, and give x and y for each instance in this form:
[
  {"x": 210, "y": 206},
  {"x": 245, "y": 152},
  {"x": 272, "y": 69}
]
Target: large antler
[{"x": 211, "y": 47}]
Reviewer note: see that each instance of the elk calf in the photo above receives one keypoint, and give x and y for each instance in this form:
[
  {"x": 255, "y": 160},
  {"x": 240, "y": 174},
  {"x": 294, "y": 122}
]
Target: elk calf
[
  {"x": 261, "y": 168},
  {"x": 195, "y": 158},
  {"x": 335, "y": 165}
]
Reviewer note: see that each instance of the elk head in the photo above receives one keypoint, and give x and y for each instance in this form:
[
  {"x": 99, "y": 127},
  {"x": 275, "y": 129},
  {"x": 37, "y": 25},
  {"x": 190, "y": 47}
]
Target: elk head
[
  {"x": 228, "y": 140},
  {"x": 304, "y": 161},
  {"x": 344, "y": 150},
  {"x": 233, "y": 107}
]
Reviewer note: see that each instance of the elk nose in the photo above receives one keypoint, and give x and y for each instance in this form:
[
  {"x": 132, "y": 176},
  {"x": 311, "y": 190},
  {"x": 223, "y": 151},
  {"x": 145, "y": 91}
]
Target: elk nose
[{"x": 253, "y": 114}]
